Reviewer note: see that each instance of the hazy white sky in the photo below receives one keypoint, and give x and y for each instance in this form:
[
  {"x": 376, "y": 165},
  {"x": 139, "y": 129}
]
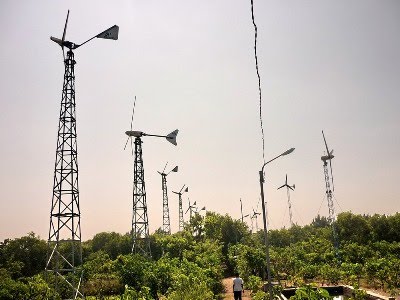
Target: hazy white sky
[{"x": 331, "y": 65}]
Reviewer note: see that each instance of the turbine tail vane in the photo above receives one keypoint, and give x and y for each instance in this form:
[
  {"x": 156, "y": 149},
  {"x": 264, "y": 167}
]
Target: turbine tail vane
[
  {"x": 109, "y": 34},
  {"x": 172, "y": 137}
]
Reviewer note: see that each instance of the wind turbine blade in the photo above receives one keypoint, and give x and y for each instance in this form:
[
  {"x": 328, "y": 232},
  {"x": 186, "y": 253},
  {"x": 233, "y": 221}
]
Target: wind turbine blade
[
  {"x": 281, "y": 186},
  {"x": 290, "y": 187},
  {"x": 333, "y": 185},
  {"x": 187, "y": 210},
  {"x": 172, "y": 137},
  {"x": 165, "y": 167},
  {"x": 126, "y": 142},
  {"x": 65, "y": 28},
  {"x": 133, "y": 112},
  {"x": 286, "y": 179},
  {"x": 326, "y": 145}
]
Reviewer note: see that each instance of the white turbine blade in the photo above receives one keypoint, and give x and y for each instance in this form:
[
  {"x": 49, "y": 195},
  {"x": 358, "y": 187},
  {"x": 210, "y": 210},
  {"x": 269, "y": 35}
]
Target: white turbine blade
[
  {"x": 172, "y": 137},
  {"x": 110, "y": 34},
  {"x": 126, "y": 142},
  {"x": 133, "y": 112}
]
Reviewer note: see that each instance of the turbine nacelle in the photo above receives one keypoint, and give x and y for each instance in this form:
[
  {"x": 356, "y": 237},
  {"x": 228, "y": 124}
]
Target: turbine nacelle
[
  {"x": 136, "y": 134},
  {"x": 171, "y": 137},
  {"x": 324, "y": 158}
]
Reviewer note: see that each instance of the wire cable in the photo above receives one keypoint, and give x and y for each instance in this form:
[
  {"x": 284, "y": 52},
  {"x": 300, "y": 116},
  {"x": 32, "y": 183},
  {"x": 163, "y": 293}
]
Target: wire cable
[{"x": 259, "y": 80}]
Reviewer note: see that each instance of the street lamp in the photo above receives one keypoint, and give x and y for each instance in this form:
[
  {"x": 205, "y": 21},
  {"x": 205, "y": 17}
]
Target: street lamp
[{"x": 265, "y": 219}]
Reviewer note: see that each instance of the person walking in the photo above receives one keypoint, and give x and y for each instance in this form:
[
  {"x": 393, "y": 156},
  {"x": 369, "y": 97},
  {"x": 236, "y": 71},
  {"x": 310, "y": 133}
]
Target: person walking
[{"x": 237, "y": 287}]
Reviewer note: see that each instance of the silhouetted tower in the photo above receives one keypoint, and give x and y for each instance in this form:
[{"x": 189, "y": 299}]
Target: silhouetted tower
[
  {"x": 329, "y": 194},
  {"x": 140, "y": 220},
  {"x": 181, "y": 220},
  {"x": 166, "y": 228},
  {"x": 288, "y": 188},
  {"x": 64, "y": 256}
]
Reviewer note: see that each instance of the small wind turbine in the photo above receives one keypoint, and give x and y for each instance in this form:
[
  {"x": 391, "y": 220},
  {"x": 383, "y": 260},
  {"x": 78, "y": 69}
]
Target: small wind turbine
[
  {"x": 181, "y": 220},
  {"x": 254, "y": 216},
  {"x": 140, "y": 221},
  {"x": 65, "y": 217},
  {"x": 166, "y": 220},
  {"x": 241, "y": 210},
  {"x": 288, "y": 188},
  {"x": 191, "y": 209},
  {"x": 332, "y": 217}
]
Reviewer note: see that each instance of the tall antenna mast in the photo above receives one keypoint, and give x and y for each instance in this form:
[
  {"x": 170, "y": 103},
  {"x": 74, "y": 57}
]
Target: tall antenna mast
[
  {"x": 288, "y": 188},
  {"x": 65, "y": 216},
  {"x": 329, "y": 195},
  {"x": 181, "y": 220},
  {"x": 166, "y": 220}
]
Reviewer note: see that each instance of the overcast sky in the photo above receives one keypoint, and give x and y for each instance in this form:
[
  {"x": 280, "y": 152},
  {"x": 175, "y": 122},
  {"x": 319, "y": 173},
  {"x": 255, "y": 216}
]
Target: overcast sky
[{"x": 324, "y": 65}]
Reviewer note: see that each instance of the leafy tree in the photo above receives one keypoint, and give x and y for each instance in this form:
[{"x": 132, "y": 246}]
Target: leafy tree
[{"x": 25, "y": 256}]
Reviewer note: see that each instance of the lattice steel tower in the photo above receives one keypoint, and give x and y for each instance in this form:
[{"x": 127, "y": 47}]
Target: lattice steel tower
[
  {"x": 166, "y": 228},
  {"x": 329, "y": 194},
  {"x": 140, "y": 220},
  {"x": 64, "y": 256},
  {"x": 181, "y": 220}
]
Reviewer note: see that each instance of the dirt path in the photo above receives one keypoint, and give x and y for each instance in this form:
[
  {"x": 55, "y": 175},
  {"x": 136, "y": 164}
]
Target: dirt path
[{"x": 227, "y": 282}]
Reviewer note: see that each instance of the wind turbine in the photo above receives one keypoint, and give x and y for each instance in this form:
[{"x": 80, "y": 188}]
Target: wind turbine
[
  {"x": 254, "y": 216},
  {"x": 192, "y": 209},
  {"x": 140, "y": 221},
  {"x": 166, "y": 220},
  {"x": 288, "y": 188},
  {"x": 241, "y": 210},
  {"x": 332, "y": 217},
  {"x": 65, "y": 214},
  {"x": 181, "y": 221}
]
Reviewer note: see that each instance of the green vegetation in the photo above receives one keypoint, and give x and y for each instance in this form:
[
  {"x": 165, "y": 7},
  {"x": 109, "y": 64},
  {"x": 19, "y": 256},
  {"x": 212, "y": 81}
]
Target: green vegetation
[{"x": 191, "y": 264}]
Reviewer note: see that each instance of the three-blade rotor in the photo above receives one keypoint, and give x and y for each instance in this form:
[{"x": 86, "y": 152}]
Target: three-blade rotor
[
  {"x": 287, "y": 186},
  {"x": 110, "y": 33},
  {"x": 329, "y": 157}
]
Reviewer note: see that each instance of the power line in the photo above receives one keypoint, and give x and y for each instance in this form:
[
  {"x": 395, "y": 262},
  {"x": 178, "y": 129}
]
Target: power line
[{"x": 259, "y": 80}]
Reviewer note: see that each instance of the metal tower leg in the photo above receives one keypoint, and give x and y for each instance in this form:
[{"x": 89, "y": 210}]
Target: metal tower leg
[
  {"x": 181, "y": 221},
  {"x": 166, "y": 221},
  {"x": 64, "y": 256},
  {"x": 332, "y": 216},
  {"x": 140, "y": 221}
]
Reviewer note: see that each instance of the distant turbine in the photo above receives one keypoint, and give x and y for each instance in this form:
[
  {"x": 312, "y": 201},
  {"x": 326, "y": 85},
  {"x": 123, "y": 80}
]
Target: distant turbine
[
  {"x": 181, "y": 220},
  {"x": 166, "y": 220},
  {"x": 288, "y": 188}
]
